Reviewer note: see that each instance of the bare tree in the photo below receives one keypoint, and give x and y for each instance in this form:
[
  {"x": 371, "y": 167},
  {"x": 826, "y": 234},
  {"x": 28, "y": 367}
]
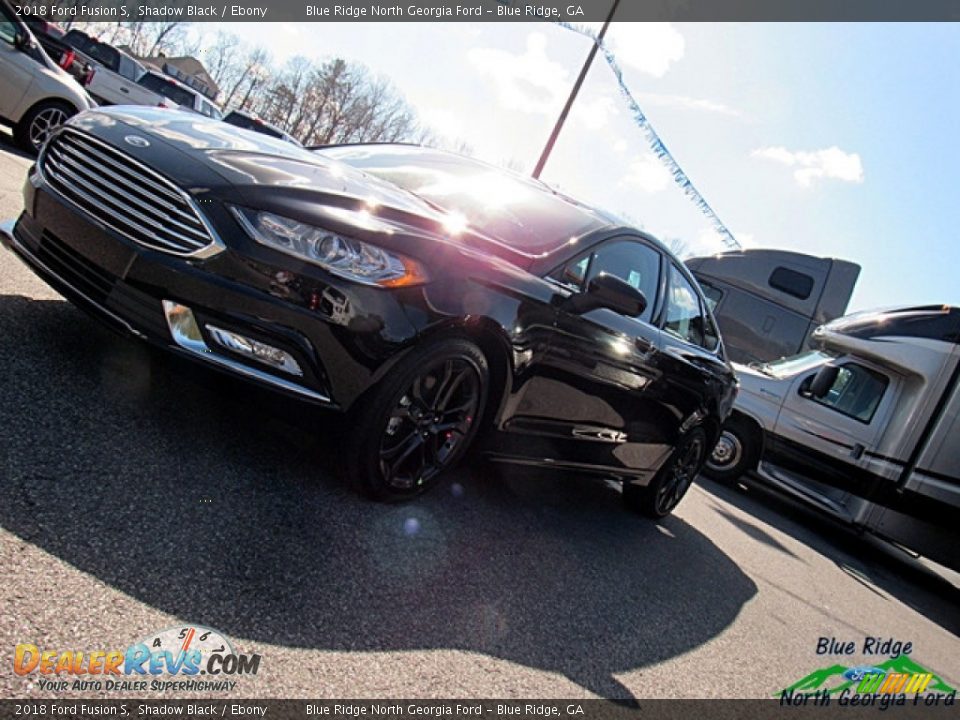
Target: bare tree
[
  {"x": 332, "y": 101},
  {"x": 678, "y": 246},
  {"x": 250, "y": 72}
]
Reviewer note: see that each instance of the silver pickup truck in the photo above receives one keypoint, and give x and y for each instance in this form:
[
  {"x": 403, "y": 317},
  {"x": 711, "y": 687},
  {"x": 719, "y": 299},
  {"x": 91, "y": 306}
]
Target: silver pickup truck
[{"x": 113, "y": 77}]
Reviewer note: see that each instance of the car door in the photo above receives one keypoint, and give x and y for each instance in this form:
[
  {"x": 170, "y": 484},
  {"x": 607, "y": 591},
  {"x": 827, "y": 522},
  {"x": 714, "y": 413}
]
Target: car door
[
  {"x": 17, "y": 68},
  {"x": 694, "y": 376},
  {"x": 822, "y": 445},
  {"x": 589, "y": 406}
]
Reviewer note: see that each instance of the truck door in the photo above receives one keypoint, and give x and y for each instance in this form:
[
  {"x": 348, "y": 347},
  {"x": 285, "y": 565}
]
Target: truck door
[{"x": 820, "y": 446}]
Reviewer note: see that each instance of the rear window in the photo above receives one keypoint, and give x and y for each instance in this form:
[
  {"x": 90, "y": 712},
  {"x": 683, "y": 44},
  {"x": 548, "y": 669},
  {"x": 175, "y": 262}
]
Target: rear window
[
  {"x": 167, "y": 88},
  {"x": 248, "y": 123},
  {"x": 99, "y": 52},
  {"x": 791, "y": 282},
  {"x": 515, "y": 210}
]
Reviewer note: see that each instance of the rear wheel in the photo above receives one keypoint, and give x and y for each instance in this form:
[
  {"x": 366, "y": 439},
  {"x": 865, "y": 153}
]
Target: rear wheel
[
  {"x": 40, "y": 121},
  {"x": 419, "y": 421},
  {"x": 734, "y": 453},
  {"x": 670, "y": 484}
]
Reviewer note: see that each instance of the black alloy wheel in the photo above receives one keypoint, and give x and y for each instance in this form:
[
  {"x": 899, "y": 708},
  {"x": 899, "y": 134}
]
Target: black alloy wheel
[
  {"x": 421, "y": 421},
  {"x": 670, "y": 484}
]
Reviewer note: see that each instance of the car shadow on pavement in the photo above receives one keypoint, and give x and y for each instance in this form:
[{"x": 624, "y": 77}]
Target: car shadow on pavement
[
  {"x": 8, "y": 145},
  {"x": 214, "y": 502},
  {"x": 875, "y": 564}
]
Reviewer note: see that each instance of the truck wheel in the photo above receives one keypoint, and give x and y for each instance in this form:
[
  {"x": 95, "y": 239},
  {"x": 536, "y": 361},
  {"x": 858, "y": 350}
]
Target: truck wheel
[
  {"x": 419, "y": 421},
  {"x": 42, "y": 119},
  {"x": 670, "y": 484},
  {"x": 735, "y": 452}
]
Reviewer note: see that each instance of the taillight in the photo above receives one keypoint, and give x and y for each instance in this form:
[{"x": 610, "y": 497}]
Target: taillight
[
  {"x": 88, "y": 77},
  {"x": 66, "y": 60}
]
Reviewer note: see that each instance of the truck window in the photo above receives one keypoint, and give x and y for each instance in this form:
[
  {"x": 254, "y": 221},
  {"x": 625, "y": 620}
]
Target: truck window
[
  {"x": 856, "y": 392},
  {"x": 791, "y": 282},
  {"x": 167, "y": 88},
  {"x": 130, "y": 68},
  {"x": 8, "y": 30}
]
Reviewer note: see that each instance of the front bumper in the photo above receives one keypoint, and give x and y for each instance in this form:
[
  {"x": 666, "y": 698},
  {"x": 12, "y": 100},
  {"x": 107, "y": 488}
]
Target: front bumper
[{"x": 127, "y": 287}]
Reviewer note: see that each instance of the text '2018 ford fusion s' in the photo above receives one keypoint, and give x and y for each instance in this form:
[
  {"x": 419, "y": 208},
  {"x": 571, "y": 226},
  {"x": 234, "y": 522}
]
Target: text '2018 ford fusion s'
[{"x": 429, "y": 296}]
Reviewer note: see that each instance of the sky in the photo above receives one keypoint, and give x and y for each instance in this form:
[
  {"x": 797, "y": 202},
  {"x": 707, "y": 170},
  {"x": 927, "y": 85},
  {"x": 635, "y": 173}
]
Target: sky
[{"x": 837, "y": 140}]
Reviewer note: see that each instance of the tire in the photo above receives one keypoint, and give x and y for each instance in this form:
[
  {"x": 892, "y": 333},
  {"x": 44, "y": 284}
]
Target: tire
[
  {"x": 670, "y": 484},
  {"x": 419, "y": 421},
  {"x": 35, "y": 127},
  {"x": 735, "y": 452}
]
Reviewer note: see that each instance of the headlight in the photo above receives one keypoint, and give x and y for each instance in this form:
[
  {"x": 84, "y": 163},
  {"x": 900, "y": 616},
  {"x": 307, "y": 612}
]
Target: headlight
[{"x": 343, "y": 256}]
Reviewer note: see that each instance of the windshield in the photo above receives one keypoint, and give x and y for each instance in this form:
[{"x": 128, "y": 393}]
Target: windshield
[
  {"x": 785, "y": 367},
  {"x": 508, "y": 207}
]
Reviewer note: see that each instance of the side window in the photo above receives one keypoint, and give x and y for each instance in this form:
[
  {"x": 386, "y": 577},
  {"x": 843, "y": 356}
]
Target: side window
[
  {"x": 713, "y": 295},
  {"x": 634, "y": 262},
  {"x": 8, "y": 28},
  {"x": 791, "y": 282},
  {"x": 856, "y": 392},
  {"x": 684, "y": 317},
  {"x": 711, "y": 337}
]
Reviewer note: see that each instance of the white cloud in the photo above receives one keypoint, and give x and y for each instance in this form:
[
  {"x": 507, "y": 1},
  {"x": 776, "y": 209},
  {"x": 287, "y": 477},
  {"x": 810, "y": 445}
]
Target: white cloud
[
  {"x": 709, "y": 241},
  {"x": 446, "y": 122},
  {"x": 594, "y": 113},
  {"x": 813, "y": 165},
  {"x": 648, "y": 47},
  {"x": 530, "y": 83},
  {"x": 685, "y": 102},
  {"x": 648, "y": 174}
]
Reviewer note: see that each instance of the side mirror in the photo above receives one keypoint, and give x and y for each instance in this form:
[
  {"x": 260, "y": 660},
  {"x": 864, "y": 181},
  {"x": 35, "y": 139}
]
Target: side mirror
[
  {"x": 821, "y": 383},
  {"x": 22, "y": 41},
  {"x": 609, "y": 291}
]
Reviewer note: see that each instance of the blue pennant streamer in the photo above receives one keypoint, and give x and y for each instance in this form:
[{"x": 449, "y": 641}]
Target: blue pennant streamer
[{"x": 657, "y": 145}]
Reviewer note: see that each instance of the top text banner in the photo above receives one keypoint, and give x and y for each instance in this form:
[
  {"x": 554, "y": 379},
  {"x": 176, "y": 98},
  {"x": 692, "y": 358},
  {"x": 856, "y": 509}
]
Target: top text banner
[{"x": 490, "y": 10}]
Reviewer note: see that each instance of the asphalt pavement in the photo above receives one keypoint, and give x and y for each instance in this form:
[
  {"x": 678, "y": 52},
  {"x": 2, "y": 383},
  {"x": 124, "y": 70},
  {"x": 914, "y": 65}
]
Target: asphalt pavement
[{"x": 139, "y": 492}]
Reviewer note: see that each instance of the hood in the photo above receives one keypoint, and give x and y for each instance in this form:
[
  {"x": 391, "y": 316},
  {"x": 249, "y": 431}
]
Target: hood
[
  {"x": 763, "y": 386},
  {"x": 213, "y": 158}
]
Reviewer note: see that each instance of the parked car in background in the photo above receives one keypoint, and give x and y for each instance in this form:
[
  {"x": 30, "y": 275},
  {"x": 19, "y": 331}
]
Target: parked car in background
[
  {"x": 114, "y": 74},
  {"x": 769, "y": 302},
  {"x": 428, "y": 296},
  {"x": 36, "y": 96},
  {"x": 181, "y": 95},
  {"x": 51, "y": 38},
  {"x": 250, "y": 121},
  {"x": 863, "y": 428}
]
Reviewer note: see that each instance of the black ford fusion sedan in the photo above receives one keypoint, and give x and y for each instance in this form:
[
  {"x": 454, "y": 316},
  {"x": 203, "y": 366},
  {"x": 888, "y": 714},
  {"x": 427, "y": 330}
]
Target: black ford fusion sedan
[{"x": 430, "y": 297}]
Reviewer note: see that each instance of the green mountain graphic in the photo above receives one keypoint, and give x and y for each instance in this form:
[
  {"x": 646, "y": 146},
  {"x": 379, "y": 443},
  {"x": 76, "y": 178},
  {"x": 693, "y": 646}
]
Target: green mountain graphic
[{"x": 821, "y": 679}]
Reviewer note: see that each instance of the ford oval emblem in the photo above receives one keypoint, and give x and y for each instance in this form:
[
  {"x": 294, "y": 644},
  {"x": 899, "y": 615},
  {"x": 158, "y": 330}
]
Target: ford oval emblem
[{"x": 137, "y": 141}]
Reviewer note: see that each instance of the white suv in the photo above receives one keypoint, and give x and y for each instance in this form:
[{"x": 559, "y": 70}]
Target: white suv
[{"x": 36, "y": 96}]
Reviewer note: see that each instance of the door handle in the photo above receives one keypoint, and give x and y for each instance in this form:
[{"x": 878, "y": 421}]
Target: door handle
[
  {"x": 857, "y": 451},
  {"x": 643, "y": 345},
  {"x": 124, "y": 90}
]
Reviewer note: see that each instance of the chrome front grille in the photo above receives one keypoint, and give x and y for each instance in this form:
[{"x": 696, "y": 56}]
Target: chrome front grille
[{"x": 125, "y": 195}]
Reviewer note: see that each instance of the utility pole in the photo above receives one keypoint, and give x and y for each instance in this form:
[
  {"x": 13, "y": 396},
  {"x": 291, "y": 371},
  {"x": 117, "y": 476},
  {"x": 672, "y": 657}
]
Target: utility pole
[{"x": 548, "y": 148}]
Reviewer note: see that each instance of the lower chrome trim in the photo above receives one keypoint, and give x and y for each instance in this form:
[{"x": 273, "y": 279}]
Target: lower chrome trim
[
  {"x": 180, "y": 320},
  {"x": 186, "y": 334}
]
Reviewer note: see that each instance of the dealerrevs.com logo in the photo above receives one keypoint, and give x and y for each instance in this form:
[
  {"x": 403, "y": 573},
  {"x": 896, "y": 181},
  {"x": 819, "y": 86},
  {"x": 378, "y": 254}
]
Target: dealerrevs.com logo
[{"x": 181, "y": 659}]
